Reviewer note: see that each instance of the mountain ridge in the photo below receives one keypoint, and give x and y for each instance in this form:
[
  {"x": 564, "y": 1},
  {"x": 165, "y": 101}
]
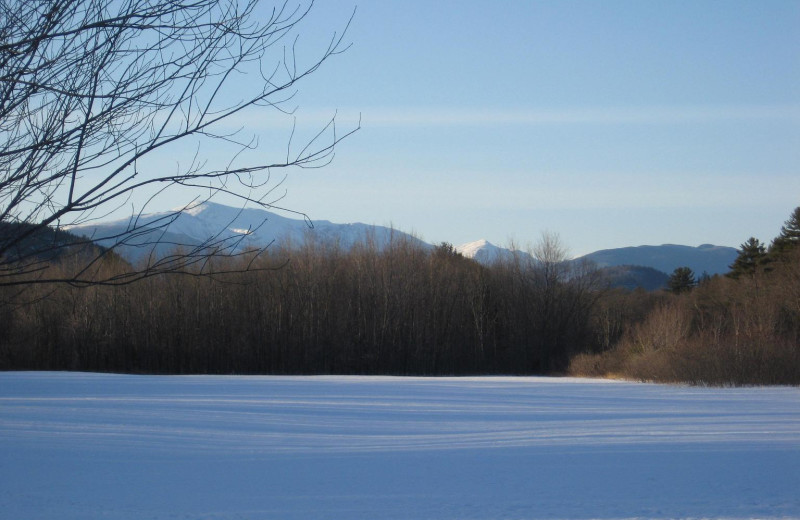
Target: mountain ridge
[
  {"x": 258, "y": 228},
  {"x": 239, "y": 228},
  {"x": 705, "y": 258}
]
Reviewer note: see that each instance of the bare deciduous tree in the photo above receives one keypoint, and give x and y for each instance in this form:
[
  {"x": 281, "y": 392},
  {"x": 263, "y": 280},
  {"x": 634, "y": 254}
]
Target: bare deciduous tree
[{"x": 90, "y": 88}]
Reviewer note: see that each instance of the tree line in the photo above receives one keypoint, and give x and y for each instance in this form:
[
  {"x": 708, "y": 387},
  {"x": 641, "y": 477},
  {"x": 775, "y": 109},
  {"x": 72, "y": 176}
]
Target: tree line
[
  {"x": 405, "y": 309},
  {"x": 738, "y": 329}
]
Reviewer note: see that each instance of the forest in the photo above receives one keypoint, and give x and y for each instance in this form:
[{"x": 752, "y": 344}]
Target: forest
[{"x": 406, "y": 310}]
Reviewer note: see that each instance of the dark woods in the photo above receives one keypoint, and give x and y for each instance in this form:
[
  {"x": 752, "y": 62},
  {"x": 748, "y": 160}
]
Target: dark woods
[{"x": 402, "y": 310}]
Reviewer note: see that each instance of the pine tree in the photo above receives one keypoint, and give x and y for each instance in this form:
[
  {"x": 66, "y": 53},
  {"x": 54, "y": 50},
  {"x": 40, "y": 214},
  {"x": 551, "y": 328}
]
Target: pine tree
[
  {"x": 752, "y": 255},
  {"x": 681, "y": 280},
  {"x": 789, "y": 237}
]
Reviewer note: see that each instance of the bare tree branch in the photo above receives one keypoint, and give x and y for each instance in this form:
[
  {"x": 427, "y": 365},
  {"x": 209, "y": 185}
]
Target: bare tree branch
[{"x": 90, "y": 88}]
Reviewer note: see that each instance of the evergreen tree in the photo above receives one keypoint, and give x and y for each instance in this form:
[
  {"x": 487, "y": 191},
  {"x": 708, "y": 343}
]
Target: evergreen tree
[
  {"x": 789, "y": 237},
  {"x": 681, "y": 280},
  {"x": 752, "y": 255},
  {"x": 705, "y": 278},
  {"x": 446, "y": 250}
]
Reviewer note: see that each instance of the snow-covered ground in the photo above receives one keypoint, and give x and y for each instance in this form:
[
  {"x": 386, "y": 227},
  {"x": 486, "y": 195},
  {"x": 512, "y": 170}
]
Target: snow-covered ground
[{"x": 85, "y": 446}]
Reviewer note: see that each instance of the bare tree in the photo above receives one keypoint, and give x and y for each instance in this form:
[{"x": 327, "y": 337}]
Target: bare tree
[{"x": 91, "y": 88}]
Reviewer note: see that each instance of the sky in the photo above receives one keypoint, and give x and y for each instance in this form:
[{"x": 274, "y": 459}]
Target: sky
[{"x": 612, "y": 124}]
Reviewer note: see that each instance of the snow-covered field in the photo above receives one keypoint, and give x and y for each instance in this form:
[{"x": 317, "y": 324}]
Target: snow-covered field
[{"x": 85, "y": 446}]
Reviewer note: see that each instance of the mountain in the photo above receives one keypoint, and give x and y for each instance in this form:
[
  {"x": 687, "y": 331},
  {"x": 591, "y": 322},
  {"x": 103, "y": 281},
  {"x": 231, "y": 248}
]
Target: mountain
[
  {"x": 629, "y": 267},
  {"x": 666, "y": 258},
  {"x": 42, "y": 244},
  {"x": 209, "y": 222},
  {"x": 634, "y": 276},
  {"x": 486, "y": 253}
]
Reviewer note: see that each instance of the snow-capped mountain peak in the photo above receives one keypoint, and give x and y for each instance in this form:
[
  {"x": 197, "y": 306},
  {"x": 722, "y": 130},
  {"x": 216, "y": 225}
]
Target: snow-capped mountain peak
[
  {"x": 484, "y": 252},
  {"x": 471, "y": 248}
]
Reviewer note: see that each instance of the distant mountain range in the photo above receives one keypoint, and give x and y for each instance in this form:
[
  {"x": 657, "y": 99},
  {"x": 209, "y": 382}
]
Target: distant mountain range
[
  {"x": 666, "y": 258},
  {"x": 647, "y": 267},
  {"x": 706, "y": 258},
  {"x": 207, "y": 221}
]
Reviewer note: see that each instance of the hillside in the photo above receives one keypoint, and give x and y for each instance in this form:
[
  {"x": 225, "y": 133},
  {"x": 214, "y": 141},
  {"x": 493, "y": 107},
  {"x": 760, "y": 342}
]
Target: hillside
[
  {"x": 635, "y": 276},
  {"x": 41, "y": 246},
  {"x": 666, "y": 258}
]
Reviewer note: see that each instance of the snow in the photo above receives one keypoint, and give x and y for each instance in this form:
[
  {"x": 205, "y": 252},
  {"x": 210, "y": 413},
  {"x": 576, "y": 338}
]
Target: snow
[
  {"x": 470, "y": 248},
  {"x": 487, "y": 253},
  {"x": 83, "y": 446}
]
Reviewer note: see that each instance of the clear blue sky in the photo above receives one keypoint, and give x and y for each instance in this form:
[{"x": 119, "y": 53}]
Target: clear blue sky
[{"x": 611, "y": 123}]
